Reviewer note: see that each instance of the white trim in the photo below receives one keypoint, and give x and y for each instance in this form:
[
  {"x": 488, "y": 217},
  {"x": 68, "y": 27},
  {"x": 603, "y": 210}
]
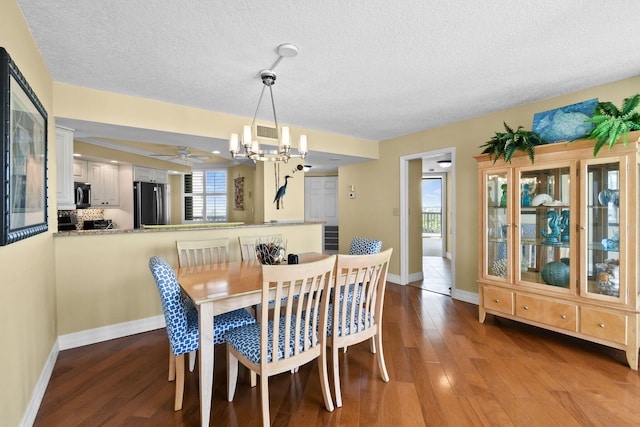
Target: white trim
[
  {"x": 466, "y": 296},
  {"x": 404, "y": 212},
  {"x": 393, "y": 278},
  {"x": 106, "y": 333},
  {"x": 31, "y": 411}
]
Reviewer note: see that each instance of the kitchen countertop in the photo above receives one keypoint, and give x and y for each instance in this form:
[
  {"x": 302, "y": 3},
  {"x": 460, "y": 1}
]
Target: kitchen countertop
[{"x": 178, "y": 227}]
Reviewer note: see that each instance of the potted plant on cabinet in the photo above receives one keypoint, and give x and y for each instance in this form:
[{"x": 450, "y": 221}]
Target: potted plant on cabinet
[
  {"x": 612, "y": 123},
  {"x": 505, "y": 144}
]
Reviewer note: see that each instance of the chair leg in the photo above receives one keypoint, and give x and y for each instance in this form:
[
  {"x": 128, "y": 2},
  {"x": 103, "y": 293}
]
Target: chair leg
[
  {"x": 232, "y": 374},
  {"x": 179, "y": 382},
  {"x": 254, "y": 378},
  {"x": 264, "y": 400},
  {"x": 324, "y": 380},
  {"x": 335, "y": 368},
  {"x": 172, "y": 365},
  {"x": 372, "y": 343},
  {"x": 192, "y": 360},
  {"x": 380, "y": 357}
]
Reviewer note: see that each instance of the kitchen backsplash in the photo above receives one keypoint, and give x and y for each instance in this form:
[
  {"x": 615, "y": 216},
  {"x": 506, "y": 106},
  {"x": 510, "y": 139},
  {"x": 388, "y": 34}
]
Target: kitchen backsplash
[{"x": 84, "y": 214}]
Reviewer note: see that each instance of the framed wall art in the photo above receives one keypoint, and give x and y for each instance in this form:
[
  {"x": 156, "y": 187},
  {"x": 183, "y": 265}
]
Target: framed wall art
[
  {"x": 565, "y": 123},
  {"x": 238, "y": 193},
  {"x": 23, "y": 126}
]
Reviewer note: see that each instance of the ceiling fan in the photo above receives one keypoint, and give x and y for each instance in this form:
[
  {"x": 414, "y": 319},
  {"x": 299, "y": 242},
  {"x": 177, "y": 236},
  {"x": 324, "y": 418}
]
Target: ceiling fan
[{"x": 182, "y": 153}]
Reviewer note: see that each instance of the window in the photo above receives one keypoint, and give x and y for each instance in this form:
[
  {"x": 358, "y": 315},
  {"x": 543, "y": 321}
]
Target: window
[{"x": 205, "y": 196}]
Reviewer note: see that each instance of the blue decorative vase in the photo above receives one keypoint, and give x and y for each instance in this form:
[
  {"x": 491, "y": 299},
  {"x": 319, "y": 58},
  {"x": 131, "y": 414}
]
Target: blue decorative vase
[{"x": 556, "y": 274}]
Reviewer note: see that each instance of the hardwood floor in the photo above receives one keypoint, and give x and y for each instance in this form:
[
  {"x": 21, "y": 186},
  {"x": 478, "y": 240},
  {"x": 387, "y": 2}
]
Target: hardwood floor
[{"x": 445, "y": 367}]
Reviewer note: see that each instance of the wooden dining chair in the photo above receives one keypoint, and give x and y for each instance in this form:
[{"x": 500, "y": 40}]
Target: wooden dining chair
[
  {"x": 248, "y": 244},
  {"x": 287, "y": 336},
  {"x": 182, "y": 323},
  {"x": 359, "y": 318},
  {"x": 202, "y": 252}
]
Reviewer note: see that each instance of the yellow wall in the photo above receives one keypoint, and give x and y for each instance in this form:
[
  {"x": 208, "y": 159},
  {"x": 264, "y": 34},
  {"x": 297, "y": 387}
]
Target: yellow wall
[
  {"x": 113, "y": 284},
  {"x": 28, "y": 302},
  {"x": 378, "y": 181}
]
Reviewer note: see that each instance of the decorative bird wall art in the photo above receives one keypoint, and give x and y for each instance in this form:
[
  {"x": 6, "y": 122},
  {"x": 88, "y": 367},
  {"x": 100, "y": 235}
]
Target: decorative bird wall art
[{"x": 278, "y": 200}]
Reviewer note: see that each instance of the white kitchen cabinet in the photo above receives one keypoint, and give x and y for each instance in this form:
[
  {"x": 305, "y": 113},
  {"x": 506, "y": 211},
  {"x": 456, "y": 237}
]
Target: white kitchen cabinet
[
  {"x": 103, "y": 178},
  {"x": 64, "y": 162},
  {"x": 144, "y": 174},
  {"x": 80, "y": 171}
]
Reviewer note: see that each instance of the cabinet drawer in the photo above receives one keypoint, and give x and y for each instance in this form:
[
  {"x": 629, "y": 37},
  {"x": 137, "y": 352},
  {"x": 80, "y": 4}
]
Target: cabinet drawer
[
  {"x": 530, "y": 308},
  {"x": 561, "y": 315},
  {"x": 604, "y": 324},
  {"x": 558, "y": 314},
  {"x": 498, "y": 300}
]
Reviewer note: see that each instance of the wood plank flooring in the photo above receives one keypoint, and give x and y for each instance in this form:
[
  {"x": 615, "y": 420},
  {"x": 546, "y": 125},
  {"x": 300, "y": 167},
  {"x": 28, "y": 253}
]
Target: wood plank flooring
[{"x": 446, "y": 369}]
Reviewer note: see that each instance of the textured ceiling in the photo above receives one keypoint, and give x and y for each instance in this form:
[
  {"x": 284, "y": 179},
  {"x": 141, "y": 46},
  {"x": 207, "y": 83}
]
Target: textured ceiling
[{"x": 373, "y": 69}]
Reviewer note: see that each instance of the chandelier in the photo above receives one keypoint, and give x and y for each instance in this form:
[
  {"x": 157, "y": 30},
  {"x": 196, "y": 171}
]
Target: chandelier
[{"x": 249, "y": 144}]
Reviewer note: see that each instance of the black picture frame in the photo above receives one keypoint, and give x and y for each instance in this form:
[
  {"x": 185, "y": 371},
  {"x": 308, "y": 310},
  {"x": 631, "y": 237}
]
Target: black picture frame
[{"x": 23, "y": 126}]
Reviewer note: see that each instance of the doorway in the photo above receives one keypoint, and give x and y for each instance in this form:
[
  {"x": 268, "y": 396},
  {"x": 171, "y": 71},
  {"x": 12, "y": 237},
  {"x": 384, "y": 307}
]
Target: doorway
[
  {"x": 436, "y": 267},
  {"x": 407, "y": 277}
]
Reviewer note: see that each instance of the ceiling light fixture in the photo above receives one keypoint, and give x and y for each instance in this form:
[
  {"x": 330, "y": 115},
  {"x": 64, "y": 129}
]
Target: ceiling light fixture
[
  {"x": 249, "y": 134},
  {"x": 444, "y": 163}
]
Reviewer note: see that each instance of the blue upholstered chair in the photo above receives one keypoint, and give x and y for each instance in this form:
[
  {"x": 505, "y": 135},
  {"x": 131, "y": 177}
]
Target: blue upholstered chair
[
  {"x": 291, "y": 334},
  {"x": 364, "y": 246},
  {"x": 181, "y": 319}
]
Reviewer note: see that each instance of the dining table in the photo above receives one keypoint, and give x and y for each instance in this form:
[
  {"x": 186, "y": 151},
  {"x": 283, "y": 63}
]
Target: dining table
[{"x": 216, "y": 289}]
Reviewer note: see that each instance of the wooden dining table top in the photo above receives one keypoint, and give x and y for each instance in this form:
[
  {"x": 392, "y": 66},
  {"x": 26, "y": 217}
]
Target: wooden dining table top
[{"x": 217, "y": 282}]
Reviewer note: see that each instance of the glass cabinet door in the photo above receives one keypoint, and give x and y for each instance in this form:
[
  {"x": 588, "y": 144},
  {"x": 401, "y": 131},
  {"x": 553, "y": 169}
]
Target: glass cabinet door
[
  {"x": 543, "y": 227},
  {"x": 601, "y": 227},
  {"x": 497, "y": 248}
]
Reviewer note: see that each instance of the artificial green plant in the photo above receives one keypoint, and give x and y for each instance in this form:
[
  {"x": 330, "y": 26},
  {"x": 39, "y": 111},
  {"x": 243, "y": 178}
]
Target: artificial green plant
[
  {"x": 505, "y": 144},
  {"x": 612, "y": 123}
]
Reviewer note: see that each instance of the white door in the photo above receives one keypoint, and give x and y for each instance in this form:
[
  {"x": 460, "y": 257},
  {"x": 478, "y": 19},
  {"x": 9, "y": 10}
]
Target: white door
[{"x": 321, "y": 205}]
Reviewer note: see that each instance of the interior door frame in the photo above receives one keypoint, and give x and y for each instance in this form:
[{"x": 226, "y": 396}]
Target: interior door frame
[{"x": 404, "y": 211}]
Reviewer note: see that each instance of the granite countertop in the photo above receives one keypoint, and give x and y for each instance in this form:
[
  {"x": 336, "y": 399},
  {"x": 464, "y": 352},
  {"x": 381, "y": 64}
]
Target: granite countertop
[{"x": 179, "y": 227}]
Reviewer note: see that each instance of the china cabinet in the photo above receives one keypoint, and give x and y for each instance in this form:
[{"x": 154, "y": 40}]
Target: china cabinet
[{"x": 558, "y": 247}]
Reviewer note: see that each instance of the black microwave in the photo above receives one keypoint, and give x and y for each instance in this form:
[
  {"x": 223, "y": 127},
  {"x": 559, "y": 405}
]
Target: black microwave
[{"x": 83, "y": 195}]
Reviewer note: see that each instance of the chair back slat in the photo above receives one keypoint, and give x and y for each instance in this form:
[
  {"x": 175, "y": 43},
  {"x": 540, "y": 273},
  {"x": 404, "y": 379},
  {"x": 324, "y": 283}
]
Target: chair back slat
[
  {"x": 295, "y": 292},
  {"x": 248, "y": 244},
  {"x": 202, "y": 252}
]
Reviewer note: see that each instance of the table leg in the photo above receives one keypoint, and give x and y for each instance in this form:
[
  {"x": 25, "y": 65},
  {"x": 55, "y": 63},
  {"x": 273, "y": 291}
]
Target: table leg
[{"x": 206, "y": 361}]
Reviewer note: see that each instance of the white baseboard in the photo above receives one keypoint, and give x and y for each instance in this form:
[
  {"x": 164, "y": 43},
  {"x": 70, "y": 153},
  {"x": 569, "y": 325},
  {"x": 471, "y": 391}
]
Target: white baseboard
[
  {"x": 466, "y": 296},
  {"x": 105, "y": 333},
  {"x": 393, "y": 278},
  {"x": 31, "y": 411}
]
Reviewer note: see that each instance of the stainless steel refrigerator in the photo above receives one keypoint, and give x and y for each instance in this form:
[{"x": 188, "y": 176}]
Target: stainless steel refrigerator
[{"x": 149, "y": 204}]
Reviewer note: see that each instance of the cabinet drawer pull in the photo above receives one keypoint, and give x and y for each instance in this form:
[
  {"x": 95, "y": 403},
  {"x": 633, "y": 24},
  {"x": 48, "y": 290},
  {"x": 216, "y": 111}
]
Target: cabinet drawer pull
[
  {"x": 496, "y": 300},
  {"x": 526, "y": 307},
  {"x": 563, "y": 316},
  {"x": 601, "y": 325}
]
